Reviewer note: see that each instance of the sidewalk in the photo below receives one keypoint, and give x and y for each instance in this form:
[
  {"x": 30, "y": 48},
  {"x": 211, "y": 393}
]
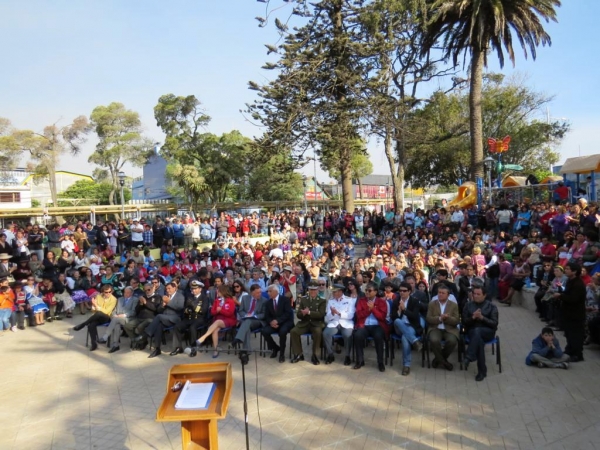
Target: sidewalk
[{"x": 56, "y": 394}]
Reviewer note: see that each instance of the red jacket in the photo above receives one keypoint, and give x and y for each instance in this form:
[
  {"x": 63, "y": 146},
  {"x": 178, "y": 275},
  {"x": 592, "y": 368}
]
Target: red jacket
[
  {"x": 227, "y": 310},
  {"x": 379, "y": 311}
]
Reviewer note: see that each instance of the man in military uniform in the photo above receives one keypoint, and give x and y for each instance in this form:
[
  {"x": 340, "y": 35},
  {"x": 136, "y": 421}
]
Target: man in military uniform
[
  {"x": 339, "y": 319},
  {"x": 195, "y": 315},
  {"x": 310, "y": 313}
]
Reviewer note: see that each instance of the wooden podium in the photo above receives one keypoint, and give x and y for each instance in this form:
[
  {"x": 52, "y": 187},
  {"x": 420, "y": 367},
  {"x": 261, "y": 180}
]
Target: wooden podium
[{"x": 198, "y": 427}]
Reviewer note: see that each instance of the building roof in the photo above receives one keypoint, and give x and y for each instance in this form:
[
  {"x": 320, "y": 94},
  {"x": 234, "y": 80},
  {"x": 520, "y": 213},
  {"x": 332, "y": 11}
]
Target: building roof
[
  {"x": 376, "y": 180},
  {"x": 581, "y": 164},
  {"x": 61, "y": 172}
]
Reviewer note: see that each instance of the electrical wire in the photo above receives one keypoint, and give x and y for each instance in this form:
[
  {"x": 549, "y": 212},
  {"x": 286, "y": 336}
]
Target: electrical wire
[{"x": 257, "y": 405}]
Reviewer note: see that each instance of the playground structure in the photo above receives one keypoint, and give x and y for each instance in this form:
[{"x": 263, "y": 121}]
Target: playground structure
[{"x": 513, "y": 190}]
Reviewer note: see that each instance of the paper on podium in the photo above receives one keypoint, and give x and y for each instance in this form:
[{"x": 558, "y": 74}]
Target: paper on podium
[{"x": 195, "y": 395}]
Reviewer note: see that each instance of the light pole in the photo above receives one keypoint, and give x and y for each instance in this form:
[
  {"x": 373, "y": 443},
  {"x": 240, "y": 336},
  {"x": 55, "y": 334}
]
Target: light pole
[
  {"x": 304, "y": 186},
  {"x": 121, "y": 176},
  {"x": 488, "y": 163}
]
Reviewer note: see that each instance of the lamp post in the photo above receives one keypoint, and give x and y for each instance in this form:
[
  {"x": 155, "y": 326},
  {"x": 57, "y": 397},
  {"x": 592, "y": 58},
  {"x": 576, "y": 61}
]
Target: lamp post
[
  {"x": 488, "y": 163},
  {"x": 121, "y": 176},
  {"x": 304, "y": 186}
]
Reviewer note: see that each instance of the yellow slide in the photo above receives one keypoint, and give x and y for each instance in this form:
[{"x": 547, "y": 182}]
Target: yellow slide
[{"x": 467, "y": 196}]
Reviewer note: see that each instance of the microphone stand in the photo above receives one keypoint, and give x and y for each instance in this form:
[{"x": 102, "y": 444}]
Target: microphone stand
[{"x": 244, "y": 358}]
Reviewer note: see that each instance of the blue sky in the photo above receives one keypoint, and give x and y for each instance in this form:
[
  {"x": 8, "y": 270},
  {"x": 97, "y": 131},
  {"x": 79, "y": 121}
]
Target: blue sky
[{"x": 63, "y": 58}]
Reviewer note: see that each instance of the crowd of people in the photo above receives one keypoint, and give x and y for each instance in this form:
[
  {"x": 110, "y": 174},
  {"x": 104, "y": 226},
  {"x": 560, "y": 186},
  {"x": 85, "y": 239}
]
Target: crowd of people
[{"x": 426, "y": 277}]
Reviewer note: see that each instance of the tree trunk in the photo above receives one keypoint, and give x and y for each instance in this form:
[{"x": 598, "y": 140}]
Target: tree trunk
[
  {"x": 360, "y": 194},
  {"x": 347, "y": 193},
  {"x": 476, "y": 121},
  {"x": 396, "y": 174}
]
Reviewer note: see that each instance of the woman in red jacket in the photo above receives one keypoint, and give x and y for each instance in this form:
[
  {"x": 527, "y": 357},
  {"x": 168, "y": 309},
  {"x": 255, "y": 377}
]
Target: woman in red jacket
[{"x": 223, "y": 314}]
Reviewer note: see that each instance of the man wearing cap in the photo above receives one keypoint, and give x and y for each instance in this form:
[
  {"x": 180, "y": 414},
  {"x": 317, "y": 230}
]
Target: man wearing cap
[
  {"x": 5, "y": 266},
  {"x": 339, "y": 319},
  {"x": 145, "y": 311},
  {"x": 195, "y": 317},
  {"x": 310, "y": 313},
  {"x": 251, "y": 313}
]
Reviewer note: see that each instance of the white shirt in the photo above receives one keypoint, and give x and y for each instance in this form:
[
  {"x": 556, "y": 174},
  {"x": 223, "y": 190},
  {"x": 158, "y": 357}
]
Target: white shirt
[
  {"x": 441, "y": 325},
  {"x": 137, "y": 233},
  {"x": 346, "y": 308}
]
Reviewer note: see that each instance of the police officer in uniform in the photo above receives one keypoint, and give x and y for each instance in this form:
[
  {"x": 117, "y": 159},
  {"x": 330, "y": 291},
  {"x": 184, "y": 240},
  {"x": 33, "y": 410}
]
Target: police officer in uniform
[
  {"x": 195, "y": 315},
  {"x": 339, "y": 319},
  {"x": 310, "y": 313}
]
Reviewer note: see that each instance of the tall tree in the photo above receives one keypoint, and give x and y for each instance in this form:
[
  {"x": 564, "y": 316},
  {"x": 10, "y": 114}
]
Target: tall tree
[
  {"x": 46, "y": 148},
  {"x": 509, "y": 108},
  {"x": 314, "y": 101},
  {"x": 121, "y": 141},
  {"x": 478, "y": 26},
  {"x": 392, "y": 31},
  {"x": 360, "y": 165}
]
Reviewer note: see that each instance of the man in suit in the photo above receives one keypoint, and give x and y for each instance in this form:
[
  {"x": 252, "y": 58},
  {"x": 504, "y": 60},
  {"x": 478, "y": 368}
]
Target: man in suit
[
  {"x": 310, "y": 314},
  {"x": 442, "y": 317},
  {"x": 279, "y": 319},
  {"x": 573, "y": 300},
  {"x": 480, "y": 319},
  {"x": 371, "y": 313},
  {"x": 407, "y": 324},
  {"x": 169, "y": 314},
  {"x": 339, "y": 318},
  {"x": 124, "y": 311},
  {"x": 195, "y": 316},
  {"x": 251, "y": 314}
]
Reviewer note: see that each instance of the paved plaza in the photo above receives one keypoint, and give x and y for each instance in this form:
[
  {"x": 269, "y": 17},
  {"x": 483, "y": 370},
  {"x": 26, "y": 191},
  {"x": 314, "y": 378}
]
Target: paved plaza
[{"x": 57, "y": 395}]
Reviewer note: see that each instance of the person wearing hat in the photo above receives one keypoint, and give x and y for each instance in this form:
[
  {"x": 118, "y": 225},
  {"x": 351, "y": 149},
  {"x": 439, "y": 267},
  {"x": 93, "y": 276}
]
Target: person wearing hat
[
  {"x": 310, "y": 314},
  {"x": 195, "y": 317},
  {"x": 6, "y": 268},
  {"x": 339, "y": 319},
  {"x": 288, "y": 281},
  {"x": 146, "y": 309}
]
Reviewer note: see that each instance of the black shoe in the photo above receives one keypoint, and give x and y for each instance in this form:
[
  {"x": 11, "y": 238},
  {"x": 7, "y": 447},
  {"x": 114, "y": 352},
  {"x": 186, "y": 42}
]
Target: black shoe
[
  {"x": 315, "y": 360},
  {"x": 58, "y": 318},
  {"x": 193, "y": 352},
  {"x": 479, "y": 377},
  {"x": 329, "y": 359},
  {"x": 282, "y": 358},
  {"x": 297, "y": 358},
  {"x": 78, "y": 327},
  {"x": 93, "y": 347},
  {"x": 142, "y": 345},
  {"x": 358, "y": 365},
  {"x": 347, "y": 361},
  {"x": 448, "y": 366},
  {"x": 155, "y": 353},
  {"x": 435, "y": 363},
  {"x": 114, "y": 349},
  {"x": 576, "y": 358},
  {"x": 177, "y": 351},
  {"x": 405, "y": 371},
  {"x": 381, "y": 367},
  {"x": 274, "y": 352},
  {"x": 466, "y": 363},
  {"x": 139, "y": 338},
  {"x": 22, "y": 328}
]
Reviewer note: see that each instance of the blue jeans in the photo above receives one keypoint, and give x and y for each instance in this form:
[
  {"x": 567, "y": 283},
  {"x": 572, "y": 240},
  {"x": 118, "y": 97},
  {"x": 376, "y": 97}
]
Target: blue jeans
[
  {"x": 5, "y": 314},
  {"x": 492, "y": 288},
  {"x": 409, "y": 337}
]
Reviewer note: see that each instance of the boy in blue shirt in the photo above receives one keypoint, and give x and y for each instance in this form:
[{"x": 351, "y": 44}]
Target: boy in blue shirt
[{"x": 546, "y": 352}]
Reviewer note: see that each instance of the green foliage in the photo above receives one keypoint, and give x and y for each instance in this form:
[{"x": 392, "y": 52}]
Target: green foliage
[
  {"x": 121, "y": 141},
  {"x": 266, "y": 183},
  {"x": 441, "y": 152},
  {"x": 35, "y": 203},
  {"x": 360, "y": 164},
  {"x": 91, "y": 193},
  {"x": 314, "y": 102},
  {"x": 45, "y": 149}
]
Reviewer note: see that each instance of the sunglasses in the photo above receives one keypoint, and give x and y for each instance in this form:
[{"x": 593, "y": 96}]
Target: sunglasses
[{"x": 322, "y": 285}]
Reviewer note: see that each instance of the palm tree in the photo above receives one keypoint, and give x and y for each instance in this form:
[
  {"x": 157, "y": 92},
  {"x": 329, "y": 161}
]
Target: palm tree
[{"x": 477, "y": 26}]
